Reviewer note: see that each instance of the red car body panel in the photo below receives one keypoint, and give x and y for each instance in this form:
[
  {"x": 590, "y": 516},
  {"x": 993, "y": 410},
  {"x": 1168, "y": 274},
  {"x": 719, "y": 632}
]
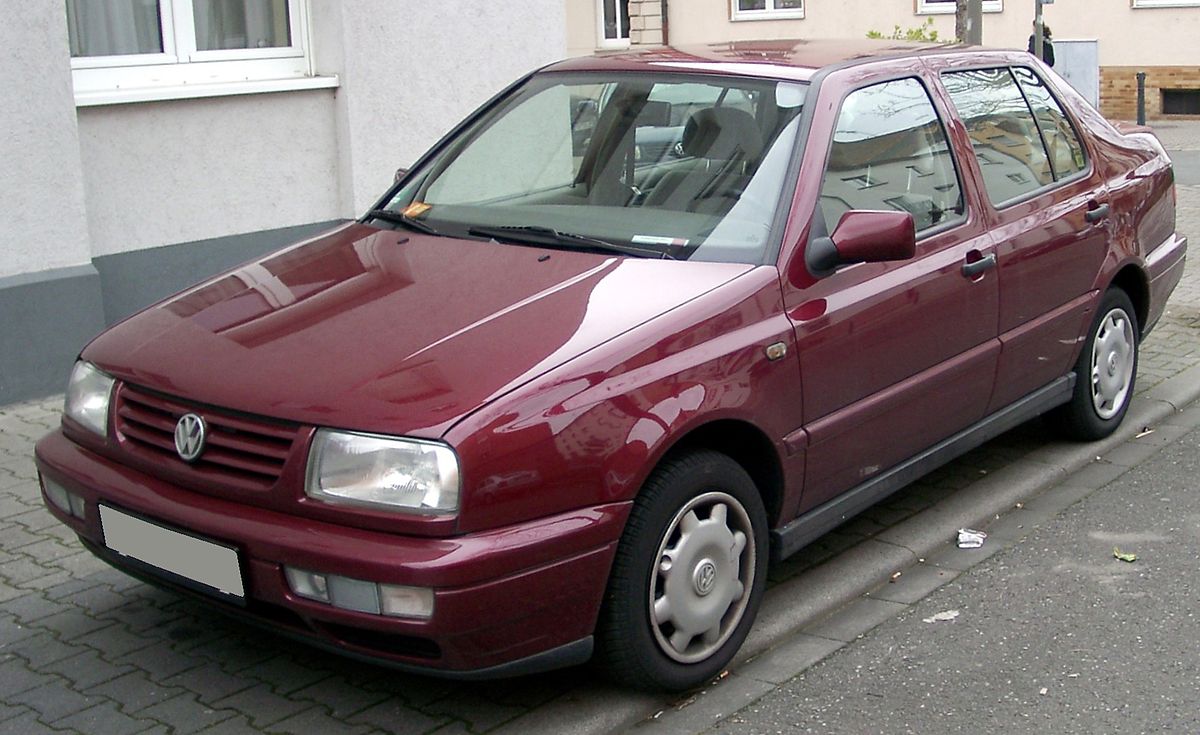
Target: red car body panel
[{"x": 560, "y": 379}]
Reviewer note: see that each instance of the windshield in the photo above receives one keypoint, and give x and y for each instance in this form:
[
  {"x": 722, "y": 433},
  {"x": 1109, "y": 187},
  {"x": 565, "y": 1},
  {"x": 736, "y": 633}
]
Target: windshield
[{"x": 686, "y": 167}]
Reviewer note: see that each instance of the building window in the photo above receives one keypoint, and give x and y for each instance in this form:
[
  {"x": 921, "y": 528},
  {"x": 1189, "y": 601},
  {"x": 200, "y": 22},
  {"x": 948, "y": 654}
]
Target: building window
[
  {"x": 929, "y": 7},
  {"x": 766, "y": 9},
  {"x": 614, "y": 23},
  {"x": 129, "y": 50}
]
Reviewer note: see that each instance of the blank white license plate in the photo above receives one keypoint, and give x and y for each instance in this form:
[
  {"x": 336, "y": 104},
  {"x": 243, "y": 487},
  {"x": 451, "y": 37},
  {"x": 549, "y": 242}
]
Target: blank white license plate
[{"x": 212, "y": 565}]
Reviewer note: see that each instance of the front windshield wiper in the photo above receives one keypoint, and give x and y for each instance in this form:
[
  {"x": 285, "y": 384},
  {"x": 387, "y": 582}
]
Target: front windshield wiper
[
  {"x": 535, "y": 235},
  {"x": 400, "y": 218}
]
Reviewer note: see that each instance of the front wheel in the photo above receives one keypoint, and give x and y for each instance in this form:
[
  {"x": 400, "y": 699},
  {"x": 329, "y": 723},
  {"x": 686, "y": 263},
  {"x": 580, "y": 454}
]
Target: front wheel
[
  {"x": 1104, "y": 373},
  {"x": 688, "y": 575}
]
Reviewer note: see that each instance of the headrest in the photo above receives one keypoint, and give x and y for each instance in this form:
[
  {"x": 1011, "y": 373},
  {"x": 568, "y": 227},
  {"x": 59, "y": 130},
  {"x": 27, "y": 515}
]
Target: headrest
[{"x": 721, "y": 133}]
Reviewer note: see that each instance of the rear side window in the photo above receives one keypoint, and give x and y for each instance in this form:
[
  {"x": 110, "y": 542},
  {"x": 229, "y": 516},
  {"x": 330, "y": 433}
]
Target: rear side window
[
  {"x": 1003, "y": 132},
  {"x": 890, "y": 152},
  {"x": 1066, "y": 152}
]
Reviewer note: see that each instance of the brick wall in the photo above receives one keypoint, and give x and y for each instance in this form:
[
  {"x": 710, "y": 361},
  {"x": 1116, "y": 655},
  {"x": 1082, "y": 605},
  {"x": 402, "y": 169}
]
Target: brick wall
[
  {"x": 645, "y": 22},
  {"x": 1118, "y": 88}
]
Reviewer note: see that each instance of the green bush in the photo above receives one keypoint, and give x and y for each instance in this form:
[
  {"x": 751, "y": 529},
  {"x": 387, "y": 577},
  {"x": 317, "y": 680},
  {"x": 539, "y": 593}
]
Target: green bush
[{"x": 923, "y": 32}]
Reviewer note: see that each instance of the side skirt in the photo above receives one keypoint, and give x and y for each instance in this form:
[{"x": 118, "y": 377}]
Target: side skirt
[{"x": 802, "y": 531}]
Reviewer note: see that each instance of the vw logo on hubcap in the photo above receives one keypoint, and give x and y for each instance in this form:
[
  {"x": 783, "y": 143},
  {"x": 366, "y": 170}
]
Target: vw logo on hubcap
[
  {"x": 189, "y": 437},
  {"x": 705, "y": 577}
]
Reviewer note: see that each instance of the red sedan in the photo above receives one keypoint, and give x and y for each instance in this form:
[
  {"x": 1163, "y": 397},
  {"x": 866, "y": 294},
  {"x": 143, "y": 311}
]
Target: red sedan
[{"x": 639, "y": 325}]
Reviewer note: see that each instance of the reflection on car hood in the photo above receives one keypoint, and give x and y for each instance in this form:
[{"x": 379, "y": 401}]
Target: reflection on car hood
[{"x": 382, "y": 331}]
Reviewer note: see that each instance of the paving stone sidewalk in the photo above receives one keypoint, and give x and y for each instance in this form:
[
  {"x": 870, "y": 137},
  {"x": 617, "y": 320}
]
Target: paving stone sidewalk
[{"x": 84, "y": 648}]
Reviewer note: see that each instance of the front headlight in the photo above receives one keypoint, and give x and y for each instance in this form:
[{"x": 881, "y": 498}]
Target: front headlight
[
  {"x": 381, "y": 471},
  {"x": 88, "y": 394}
]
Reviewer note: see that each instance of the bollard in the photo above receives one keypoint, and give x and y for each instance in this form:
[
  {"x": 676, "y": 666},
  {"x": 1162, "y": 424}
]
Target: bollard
[{"x": 1141, "y": 100}]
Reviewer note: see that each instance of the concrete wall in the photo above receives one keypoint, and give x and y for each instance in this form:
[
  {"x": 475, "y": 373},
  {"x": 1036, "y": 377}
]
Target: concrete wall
[
  {"x": 44, "y": 224},
  {"x": 407, "y": 77},
  {"x": 112, "y": 207},
  {"x": 159, "y": 173},
  {"x": 581, "y": 26}
]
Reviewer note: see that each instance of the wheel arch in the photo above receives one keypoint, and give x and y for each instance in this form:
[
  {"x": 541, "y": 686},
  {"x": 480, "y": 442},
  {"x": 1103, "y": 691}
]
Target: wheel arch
[
  {"x": 746, "y": 444},
  {"x": 1132, "y": 280}
]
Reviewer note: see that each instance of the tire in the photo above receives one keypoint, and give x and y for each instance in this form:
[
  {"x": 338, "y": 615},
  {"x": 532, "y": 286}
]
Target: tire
[
  {"x": 688, "y": 575},
  {"x": 1105, "y": 372}
]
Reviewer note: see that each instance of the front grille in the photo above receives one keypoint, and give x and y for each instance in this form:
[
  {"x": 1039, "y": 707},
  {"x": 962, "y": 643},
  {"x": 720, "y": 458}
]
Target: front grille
[{"x": 241, "y": 452}]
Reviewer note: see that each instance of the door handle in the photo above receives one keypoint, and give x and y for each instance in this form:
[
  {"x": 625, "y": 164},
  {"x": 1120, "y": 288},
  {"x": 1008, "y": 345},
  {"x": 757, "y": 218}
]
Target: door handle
[
  {"x": 987, "y": 262},
  {"x": 1097, "y": 214}
]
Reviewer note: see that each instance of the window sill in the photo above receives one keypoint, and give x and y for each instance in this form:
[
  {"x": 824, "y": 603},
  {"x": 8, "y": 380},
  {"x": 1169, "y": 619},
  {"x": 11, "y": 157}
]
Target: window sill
[
  {"x": 767, "y": 15},
  {"x": 195, "y": 91}
]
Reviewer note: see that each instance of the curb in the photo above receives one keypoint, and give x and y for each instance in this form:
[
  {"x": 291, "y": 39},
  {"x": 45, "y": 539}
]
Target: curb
[{"x": 796, "y": 627}]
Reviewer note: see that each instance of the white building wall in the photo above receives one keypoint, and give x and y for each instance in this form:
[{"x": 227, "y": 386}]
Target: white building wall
[
  {"x": 1161, "y": 36},
  {"x": 407, "y": 77},
  {"x": 44, "y": 224},
  {"x": 158, "y": 173}
]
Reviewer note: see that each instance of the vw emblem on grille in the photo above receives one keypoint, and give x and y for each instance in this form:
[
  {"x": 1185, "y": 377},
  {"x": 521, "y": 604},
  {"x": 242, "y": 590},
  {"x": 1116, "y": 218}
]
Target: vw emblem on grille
[{"x": 189, "y": 437}]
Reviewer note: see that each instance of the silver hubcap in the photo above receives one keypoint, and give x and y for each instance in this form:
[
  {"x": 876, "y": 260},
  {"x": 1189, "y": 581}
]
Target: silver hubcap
[
  {"x": 1112, "y": 363},
  {"x": 699, "y": 588}
]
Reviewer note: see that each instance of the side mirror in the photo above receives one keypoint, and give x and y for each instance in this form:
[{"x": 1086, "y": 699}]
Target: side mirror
[{"x": 863, "y": 236}]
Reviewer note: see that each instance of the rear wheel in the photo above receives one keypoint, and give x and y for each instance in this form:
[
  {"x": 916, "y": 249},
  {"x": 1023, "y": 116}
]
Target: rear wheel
[
  {"x": 688, "y": 575},
  {"x": 1105, "y": 372}
]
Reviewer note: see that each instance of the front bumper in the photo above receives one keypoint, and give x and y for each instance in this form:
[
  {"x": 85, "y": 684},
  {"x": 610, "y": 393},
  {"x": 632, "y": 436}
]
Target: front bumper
[{"x": 507, "y": 601}]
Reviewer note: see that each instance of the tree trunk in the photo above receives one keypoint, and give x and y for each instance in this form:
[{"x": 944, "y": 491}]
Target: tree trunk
[{"x": 960, "y": 20}]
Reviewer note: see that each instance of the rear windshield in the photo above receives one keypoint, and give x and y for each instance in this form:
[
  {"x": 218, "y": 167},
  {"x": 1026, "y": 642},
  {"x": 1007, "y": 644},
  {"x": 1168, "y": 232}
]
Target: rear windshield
[{"x": 688, "y": 167}]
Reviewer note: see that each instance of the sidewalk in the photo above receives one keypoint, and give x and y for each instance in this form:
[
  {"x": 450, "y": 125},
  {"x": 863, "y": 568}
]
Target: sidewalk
[{"x": 84, "y": 648}]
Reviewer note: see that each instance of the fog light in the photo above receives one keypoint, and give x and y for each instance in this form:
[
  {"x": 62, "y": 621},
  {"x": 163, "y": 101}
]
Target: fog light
[
  {"x": 78, "y": 507},
  {"x": 307, "y": 584},
  {"x": 57, "y": 494},
  {"x": 62, "y": 498},
  {"x": 346, "y": 593},
  {"x": 354, "y": 594},
  {"x": 406, "y": 602}
]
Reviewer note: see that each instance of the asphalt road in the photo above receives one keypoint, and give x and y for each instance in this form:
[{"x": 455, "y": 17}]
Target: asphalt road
[{"x": 1053, "y": 635}]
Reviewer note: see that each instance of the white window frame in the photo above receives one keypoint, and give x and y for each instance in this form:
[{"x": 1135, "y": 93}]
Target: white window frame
[
  {"x": 183, "y": 71},
  {"x": 768, "y": 13},
  {"x": 603, "y": 41},
  {"x": 1165, "y": 4},
  {"x": 946, "y": 7}
]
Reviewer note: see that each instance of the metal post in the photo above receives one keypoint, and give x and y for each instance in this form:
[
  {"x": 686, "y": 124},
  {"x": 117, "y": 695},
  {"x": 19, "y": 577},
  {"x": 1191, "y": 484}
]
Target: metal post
[
  {"x": 974, "y": 35},
  {"x": 1141, "y": 86},
  {"x": 1037, "y": 28}
]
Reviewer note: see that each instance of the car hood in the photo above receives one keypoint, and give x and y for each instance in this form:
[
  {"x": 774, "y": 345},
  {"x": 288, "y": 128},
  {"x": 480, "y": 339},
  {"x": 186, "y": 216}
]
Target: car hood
[{"x": 379, "y": 330}]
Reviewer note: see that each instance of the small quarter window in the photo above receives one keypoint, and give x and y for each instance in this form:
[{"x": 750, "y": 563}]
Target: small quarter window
[
  {"x": 1066, "y": 152},
  {"x": 1003, "y": 132},
  {"x": 890, "y": 152}
]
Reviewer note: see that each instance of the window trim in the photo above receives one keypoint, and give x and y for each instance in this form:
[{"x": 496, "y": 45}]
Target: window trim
[
  {"x": 986, "y": 196},
  {"x": 1141, "y": 4},
  {"x": 940, "y": 115},
  {"x": 182, "y": 71},
  {"x": 947, "y": 7},
  {"x": 736, "y": 14},
  {"x": 603, "y": 41}
]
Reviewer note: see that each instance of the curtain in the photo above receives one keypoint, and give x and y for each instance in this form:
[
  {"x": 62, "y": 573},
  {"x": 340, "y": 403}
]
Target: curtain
[
  {"x": 235, "y": 24},
  {"x": 114, "y": 27}
]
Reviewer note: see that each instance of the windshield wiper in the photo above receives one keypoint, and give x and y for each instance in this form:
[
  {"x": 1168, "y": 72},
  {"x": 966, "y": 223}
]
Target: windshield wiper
[
  {"x": 534, "y": 235},
  {"x": 400, "y": 218}
]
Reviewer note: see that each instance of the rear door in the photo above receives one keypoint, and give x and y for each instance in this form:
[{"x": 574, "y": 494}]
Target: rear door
[
  {"x": 894, "y": 356},
  {"x": 1050, "y": 210}
]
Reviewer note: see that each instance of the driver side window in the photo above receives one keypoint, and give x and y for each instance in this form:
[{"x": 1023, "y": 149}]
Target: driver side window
[{"x": 890, "y": 152}]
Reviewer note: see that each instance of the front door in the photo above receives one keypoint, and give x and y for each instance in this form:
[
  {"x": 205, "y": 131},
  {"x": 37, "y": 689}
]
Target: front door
[{"x": 895, "y": 356}]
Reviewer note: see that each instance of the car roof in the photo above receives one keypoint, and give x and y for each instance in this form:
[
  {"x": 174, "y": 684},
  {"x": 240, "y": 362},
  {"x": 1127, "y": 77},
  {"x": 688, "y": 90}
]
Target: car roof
[{"x": 793, "y": 59}]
